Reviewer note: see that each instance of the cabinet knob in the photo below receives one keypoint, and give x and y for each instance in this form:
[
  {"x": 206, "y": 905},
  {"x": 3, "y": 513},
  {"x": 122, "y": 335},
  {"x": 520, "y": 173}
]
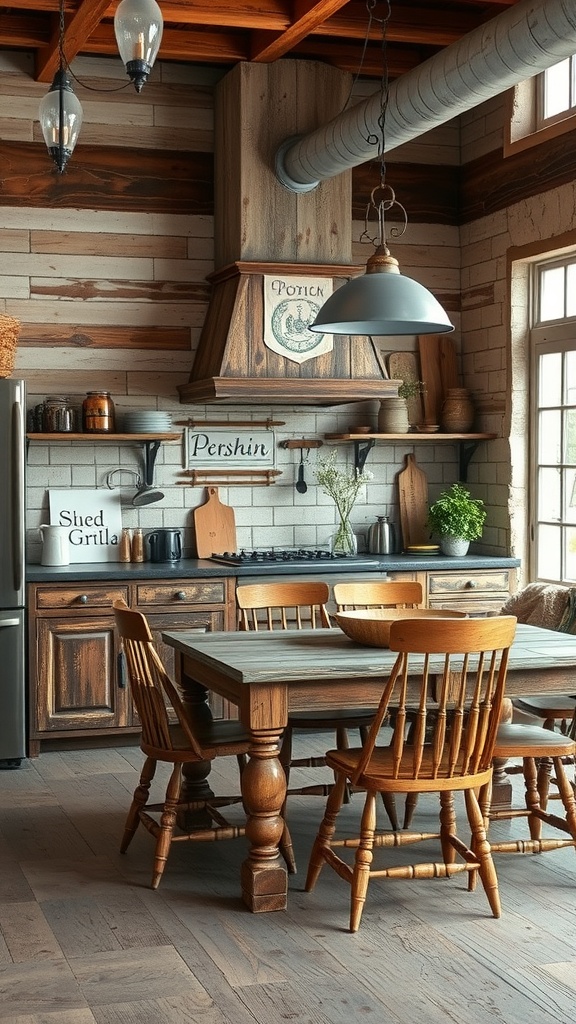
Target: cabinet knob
[
  {"x": 180, "y": 595},
  {"x": 471, "y": 584},
  {"x": 83, "y": 599}
]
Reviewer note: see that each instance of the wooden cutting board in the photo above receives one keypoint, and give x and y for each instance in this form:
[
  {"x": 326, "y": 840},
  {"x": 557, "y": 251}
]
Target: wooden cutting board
[
  {"x": 429, "y": 349},
  {"x": 215, "y": 526},
  {"x": 404, "y": 366},
  {"x": 413, "y": 498},
  {"x": 449, "y": 375}
]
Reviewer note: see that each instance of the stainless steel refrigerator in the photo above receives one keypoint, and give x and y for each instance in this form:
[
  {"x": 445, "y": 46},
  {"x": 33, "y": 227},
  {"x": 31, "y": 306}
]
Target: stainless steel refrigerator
[{"x": 12, "y": 533}]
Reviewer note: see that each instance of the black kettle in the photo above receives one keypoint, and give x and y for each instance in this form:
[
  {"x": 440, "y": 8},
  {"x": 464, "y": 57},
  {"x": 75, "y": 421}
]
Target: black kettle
[{"x": 165, "y": 545}]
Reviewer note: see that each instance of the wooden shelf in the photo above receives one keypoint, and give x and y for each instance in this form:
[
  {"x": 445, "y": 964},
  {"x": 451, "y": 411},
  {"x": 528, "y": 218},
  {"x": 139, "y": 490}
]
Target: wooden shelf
[
  {"x": 112, "y": 438},
  {"x": 363, "y": 444},
  {"x": 411, "y": 437}
]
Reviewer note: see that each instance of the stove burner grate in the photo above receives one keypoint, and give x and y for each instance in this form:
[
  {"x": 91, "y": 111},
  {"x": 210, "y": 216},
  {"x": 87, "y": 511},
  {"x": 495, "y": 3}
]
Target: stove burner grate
[{"x": 270, "y": 556}]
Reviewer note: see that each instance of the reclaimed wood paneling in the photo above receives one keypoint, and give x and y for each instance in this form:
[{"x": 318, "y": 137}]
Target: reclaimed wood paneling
[
  {"x": 90, "y": 243},
  {"x": 107, "y": 178},
  {"x": 430, "y": 193},
  {"x": 490, "y": 183},
  {"x": 170, "y": 338}
]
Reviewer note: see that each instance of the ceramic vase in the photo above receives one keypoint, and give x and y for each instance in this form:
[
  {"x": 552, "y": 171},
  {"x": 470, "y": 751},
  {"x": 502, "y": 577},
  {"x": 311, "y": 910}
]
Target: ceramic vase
[
  {"x": 393, "y": 416},
  {"x": 457, "y": 413}
]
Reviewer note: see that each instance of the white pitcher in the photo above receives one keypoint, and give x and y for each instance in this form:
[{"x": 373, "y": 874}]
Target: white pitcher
[{"x": 55, "y": 545}]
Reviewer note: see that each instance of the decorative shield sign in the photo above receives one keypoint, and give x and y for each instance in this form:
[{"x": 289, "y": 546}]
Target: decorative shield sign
[{"x": 291, "y": 304}]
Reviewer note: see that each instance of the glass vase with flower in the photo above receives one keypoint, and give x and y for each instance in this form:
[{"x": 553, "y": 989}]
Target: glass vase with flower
[{"x": 343, "y": 487}]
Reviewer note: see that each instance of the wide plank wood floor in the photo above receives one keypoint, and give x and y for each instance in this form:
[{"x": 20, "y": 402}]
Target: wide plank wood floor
[{"x": 83, "y": 938}]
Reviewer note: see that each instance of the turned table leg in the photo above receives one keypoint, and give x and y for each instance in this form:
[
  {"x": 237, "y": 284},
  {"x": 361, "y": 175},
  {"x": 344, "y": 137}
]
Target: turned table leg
[{"x": 264, "y": 878}]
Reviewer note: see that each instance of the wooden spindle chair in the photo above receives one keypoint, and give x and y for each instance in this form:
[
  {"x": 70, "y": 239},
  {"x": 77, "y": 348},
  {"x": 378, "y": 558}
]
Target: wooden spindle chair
[
  {"x": 383, "y": 594},
  {"x": 464, "y": 686},
  {"x": 173, "y": 737}
]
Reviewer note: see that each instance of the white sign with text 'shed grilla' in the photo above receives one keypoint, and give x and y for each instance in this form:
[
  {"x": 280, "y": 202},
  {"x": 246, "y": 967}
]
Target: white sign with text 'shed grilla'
[{"x": 94, "y": 522}]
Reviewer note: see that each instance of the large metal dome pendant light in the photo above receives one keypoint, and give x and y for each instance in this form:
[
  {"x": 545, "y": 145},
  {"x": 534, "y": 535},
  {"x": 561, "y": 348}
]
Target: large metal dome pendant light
[
  {"x": 138, "y": 27},
  {"x": 382, "y": 301}
]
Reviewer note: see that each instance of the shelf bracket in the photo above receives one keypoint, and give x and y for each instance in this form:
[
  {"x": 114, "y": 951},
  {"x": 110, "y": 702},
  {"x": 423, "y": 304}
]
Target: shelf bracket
[
  {"x": 151, "y": 449},
  {"x": 466, "y": 450},
  {"x": 361, "y": 451}
]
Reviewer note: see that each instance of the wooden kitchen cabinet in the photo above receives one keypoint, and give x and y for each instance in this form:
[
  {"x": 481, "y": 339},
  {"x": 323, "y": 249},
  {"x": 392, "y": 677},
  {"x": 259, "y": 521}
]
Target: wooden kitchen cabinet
[
  {"x": 75, "y": 688},
  {"x": 473, "y": 591}
]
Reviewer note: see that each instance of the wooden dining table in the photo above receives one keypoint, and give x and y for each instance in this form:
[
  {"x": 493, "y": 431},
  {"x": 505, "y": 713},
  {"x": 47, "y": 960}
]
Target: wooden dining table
[{"x": 270, "y": 674}]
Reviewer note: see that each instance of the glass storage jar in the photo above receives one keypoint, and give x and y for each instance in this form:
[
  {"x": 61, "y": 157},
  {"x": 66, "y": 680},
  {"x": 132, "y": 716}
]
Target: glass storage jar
[
  {"x": 57, "y": 415},
  {"x": 98, "y": 413}
]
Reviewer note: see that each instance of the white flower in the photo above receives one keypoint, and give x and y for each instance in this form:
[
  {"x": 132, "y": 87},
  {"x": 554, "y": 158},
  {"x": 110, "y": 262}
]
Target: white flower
[{"x": 340, "y": 485}]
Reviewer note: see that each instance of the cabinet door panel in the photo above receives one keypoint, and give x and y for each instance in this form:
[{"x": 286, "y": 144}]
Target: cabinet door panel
[{"x": 77, "y": 686}]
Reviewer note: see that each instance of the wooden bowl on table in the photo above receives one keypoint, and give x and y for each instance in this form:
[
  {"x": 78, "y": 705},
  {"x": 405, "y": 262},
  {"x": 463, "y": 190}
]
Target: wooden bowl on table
[{"x": 371, "y": 626}]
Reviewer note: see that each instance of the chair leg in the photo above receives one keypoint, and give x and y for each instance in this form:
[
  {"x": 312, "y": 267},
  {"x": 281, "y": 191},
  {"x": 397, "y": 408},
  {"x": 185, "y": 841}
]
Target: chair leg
[
  {"x": 287, "y": 850},
  {"x": 167, "y": 825},
  {"x": 362, "y": 861},
  {"x": 481, "y": 850},
  {"x": 532, "y": 796},
  {"x": 409, "y": 808},
  {"x": 544, "y": 775},
  {"x": 447, "y": 827},
  {"x": 326, "y": 831},
  {"x": 139, "y": 801},
  {"x": 566, "y": 791}
]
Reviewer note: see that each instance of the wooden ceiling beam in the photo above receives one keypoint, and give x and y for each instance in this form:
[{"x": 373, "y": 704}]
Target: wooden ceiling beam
[
  {"x": 77, "y": 31},
  {"x": 215, "y": 47},
  {"x": 265, "y": 48}
]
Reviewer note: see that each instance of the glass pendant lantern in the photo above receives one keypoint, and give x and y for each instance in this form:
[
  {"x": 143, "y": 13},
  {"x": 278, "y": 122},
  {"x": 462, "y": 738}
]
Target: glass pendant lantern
[
  {"x": 60, "y": 116},
  {"x": 138, "y": 26}
]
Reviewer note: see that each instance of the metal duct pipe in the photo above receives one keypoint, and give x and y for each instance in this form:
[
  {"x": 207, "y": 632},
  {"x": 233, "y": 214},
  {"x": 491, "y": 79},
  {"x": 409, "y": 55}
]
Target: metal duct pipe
[{"x": 524, "y": 40}]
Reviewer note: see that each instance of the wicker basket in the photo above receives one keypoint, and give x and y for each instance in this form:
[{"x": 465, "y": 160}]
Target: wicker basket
[{"x": 9, "y": 332}]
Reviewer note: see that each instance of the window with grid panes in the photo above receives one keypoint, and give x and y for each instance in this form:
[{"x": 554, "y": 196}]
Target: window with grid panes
[{"x": 553, "y": 505}]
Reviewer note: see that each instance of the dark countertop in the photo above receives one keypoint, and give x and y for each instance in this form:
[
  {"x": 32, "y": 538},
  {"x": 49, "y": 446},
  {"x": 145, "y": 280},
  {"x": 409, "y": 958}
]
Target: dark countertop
[{"x": 189, "y": 568}]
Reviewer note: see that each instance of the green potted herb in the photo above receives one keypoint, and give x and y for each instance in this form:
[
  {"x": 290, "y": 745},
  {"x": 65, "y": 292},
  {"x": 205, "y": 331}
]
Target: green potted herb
[{"x": 456, "y": 518}]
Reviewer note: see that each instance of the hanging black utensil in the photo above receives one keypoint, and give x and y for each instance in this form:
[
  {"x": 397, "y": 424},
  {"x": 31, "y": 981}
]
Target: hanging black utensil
[{"x": 301, "y": 485}]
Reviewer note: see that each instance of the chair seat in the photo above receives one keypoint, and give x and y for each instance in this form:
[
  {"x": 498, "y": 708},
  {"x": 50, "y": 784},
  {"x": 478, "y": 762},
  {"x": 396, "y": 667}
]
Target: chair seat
[
  {"x": 531, "y": 741},
  {"x": 383, "y": 773}
]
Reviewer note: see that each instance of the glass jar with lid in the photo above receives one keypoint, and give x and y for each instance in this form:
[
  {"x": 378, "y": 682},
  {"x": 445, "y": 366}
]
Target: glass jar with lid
[
  {"x": 57, "y": 415},
  {"x": 98, "y": 413}
]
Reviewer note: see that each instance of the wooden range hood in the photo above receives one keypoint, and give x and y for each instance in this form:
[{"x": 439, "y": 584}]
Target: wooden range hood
[
  {"x": 262, "y": 228},
  {"x": 234, "y": 366}
]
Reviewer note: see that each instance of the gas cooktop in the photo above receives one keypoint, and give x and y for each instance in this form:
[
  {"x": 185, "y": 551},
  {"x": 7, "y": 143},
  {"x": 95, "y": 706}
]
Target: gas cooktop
[{"x": 293, "y": 556}]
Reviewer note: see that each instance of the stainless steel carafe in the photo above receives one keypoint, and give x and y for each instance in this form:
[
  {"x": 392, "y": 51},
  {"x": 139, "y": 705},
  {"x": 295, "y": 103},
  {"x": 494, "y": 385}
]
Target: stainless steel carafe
[{"x": 382, "y": 537}]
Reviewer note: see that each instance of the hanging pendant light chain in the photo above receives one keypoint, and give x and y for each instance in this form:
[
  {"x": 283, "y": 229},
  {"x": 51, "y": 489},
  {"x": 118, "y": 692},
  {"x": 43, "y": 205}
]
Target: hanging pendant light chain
[{"x": 383, "y": 197}]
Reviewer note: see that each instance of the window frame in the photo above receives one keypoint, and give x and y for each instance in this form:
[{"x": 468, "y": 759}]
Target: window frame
[{"x": 547, "y": 336}]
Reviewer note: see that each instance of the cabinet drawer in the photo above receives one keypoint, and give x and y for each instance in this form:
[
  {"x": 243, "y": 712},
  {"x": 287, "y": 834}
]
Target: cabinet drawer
[
  {"x": 180, "y": 593},
  {"x": 474, "y": 582},
  {"x": 80, "y": 596}
]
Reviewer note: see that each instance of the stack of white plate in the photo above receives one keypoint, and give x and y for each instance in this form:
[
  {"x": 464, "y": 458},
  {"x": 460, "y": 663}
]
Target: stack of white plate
[{"x": 143, "y": 421}]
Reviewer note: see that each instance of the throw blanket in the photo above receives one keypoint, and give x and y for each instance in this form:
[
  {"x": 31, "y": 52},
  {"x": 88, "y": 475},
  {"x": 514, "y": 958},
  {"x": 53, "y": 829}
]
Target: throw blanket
[{"x": 546, "y": 605}]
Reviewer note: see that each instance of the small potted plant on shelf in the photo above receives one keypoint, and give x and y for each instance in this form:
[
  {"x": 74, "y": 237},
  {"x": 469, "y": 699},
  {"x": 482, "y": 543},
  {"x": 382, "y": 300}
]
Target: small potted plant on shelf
[{"x": 457, "y": 518}]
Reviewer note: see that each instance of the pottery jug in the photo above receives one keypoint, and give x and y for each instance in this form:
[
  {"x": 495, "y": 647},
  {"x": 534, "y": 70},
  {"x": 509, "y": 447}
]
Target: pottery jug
[
  {"x": 55, "y": 545},
  {"x": 382, "y": 537}
]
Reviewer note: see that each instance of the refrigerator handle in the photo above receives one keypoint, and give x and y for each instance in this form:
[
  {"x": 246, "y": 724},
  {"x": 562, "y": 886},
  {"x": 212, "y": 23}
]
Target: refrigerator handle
[
  {"x": 17, "y": 493},
  {"x": 9, "y": 622}
]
